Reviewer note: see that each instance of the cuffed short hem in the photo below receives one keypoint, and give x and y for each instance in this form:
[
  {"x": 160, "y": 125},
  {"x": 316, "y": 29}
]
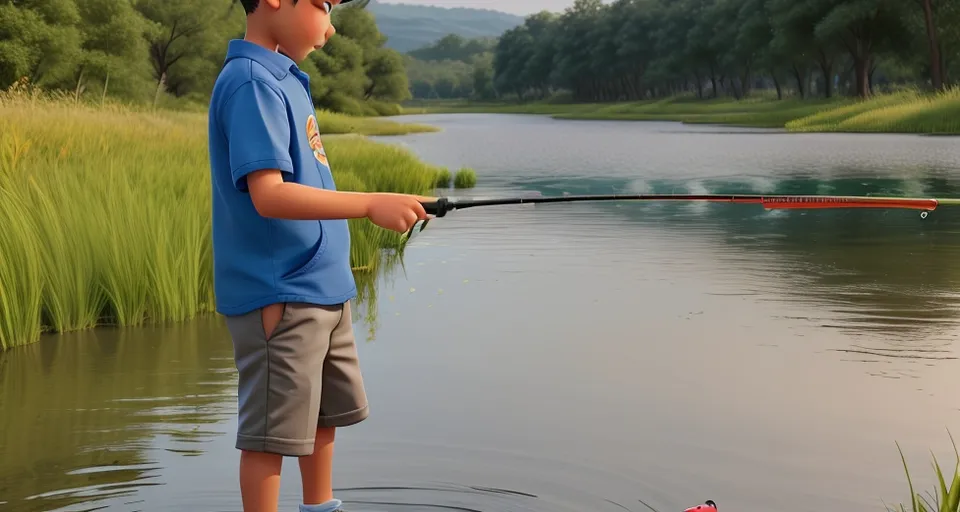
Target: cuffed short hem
[
  {"x": 285, "y": 447},
  {"x": 346, "y": 419}
]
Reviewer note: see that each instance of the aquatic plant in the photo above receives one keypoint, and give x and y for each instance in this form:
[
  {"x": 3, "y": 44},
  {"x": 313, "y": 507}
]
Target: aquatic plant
[
  {"x": 443, "y": 179},
  {"x": 465, "y": 178},
  {"x": 946, "y": 498}
]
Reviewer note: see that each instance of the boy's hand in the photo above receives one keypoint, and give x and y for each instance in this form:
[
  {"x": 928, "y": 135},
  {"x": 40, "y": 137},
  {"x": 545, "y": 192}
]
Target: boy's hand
[{"x": 397, "y": 212}]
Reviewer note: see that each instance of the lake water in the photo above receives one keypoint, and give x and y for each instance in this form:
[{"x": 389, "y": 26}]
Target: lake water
[{"x": 572, "y": 357}]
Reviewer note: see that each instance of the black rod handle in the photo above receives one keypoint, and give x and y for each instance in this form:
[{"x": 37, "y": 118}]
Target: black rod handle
[{"x": 437, "y": 208}]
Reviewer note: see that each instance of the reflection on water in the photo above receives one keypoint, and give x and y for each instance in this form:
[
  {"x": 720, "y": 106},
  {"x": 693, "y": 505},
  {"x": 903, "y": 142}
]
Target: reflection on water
[
  {"x": 80, "y": 410},
  {"x": 567, "y": 357},
  {"x": 888, "y": 281},
  {"x": 882, "y": 272}
]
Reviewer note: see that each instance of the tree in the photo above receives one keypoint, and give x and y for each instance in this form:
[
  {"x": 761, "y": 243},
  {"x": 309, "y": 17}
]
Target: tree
[
  {"x": 387, "y": 77},
  {"x": 39, "y": 40},
  {"x": 936, "y": 63},
  {"x": 483, "y": 87},
  {"x": 112, "y": 47},
  {"x": 181, "y": 33},
  {"x": 864, "y": 28}
]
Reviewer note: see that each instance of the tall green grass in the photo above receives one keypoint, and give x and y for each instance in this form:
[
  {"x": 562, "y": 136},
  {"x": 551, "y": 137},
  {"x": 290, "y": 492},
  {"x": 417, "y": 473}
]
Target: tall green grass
[
  {"x": 946, "y": 496},
  {"x": 465, "y": 178},
  {"x": 443, "y": 180},
  {"x": 335, "y": 123},
  {"x": 105, "y": 213},
  {"x": 903, "y": 112}
]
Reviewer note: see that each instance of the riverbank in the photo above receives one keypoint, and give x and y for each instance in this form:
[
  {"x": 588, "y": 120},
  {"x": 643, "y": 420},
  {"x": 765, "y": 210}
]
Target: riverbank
[
  {"x": 106, "y": 210},
  {"x": 902, "y": 112}
]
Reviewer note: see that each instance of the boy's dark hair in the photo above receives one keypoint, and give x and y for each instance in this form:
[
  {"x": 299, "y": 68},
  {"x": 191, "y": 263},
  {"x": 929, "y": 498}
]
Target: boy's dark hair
[{"x": 251, "y": 5}]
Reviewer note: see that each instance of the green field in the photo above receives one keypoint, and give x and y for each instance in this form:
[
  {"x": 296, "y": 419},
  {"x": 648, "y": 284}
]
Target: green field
[
  {"x": 900, "y": 112},
  {"x": 106, "y": 217}
]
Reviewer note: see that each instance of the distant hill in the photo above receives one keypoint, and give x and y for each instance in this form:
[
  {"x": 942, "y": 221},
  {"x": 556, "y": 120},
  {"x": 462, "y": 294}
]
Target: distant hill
[{"x": 409, "y": 27}]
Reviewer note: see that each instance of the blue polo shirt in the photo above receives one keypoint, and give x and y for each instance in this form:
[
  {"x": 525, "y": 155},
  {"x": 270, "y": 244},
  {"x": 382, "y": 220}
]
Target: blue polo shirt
[{"x": 262, "y": 117}]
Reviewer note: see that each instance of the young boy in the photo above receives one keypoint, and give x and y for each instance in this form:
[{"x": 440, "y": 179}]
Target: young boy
[{"x": 282, "y": 254}]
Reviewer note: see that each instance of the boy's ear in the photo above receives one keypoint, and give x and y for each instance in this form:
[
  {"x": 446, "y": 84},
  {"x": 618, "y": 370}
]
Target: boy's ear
[{"x": 273, "y": 4}]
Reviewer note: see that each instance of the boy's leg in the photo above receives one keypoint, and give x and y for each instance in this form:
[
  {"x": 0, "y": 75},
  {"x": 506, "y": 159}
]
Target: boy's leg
[
  {"x": 316, "y": 469},
  {"x": 260, "y": 471},
  {"x": 343, "y": 402},
  {"x": 259, "y": 481},
  {"x": 278, "y": 393}
]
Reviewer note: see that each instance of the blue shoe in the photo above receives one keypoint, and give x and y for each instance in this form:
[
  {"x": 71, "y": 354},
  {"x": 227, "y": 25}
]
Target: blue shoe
[{"x": 330, "y": 506}]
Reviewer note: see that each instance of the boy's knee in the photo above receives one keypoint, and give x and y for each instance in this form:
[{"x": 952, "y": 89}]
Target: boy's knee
[
  {"x": 325, "y": 435},
  {"x": 260, "y": 455}
]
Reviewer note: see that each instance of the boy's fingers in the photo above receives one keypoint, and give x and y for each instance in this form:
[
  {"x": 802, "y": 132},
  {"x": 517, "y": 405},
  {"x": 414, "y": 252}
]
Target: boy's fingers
[
  {"x": 420, "y": 210},
  {"x": 411, "y": 219}
]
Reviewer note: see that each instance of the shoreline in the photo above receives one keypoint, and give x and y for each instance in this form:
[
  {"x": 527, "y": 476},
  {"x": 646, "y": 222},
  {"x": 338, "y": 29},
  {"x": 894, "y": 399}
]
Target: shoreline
[{"x": 905, "y": 112}]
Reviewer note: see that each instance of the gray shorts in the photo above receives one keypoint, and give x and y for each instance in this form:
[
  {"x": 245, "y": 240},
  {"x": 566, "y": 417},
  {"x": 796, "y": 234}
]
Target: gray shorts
[{"x": 305, "y": 376}]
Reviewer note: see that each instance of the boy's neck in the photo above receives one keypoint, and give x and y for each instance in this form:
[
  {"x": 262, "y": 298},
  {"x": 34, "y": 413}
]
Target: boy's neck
[{"x": 256, "y": 35}]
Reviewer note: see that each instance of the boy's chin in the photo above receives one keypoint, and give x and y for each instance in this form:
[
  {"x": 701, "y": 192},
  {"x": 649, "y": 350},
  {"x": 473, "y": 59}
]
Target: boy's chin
[
  {"x": 314, "y": 48},
  {"x": 301, "y": 55}
]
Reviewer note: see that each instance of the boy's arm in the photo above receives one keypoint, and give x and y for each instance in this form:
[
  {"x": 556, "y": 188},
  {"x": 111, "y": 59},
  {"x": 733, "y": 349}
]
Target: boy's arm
[
  {"x": 275, "y": 198},
  {"x": 272, "y": 197},
  {"x": 254, "y": 120}
]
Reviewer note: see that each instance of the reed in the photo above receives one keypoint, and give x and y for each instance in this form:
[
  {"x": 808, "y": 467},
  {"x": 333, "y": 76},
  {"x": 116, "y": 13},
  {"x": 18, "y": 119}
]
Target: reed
[
  {"x": 944, "y": 498},
  {"x": 106, "y": 212},
  {"x": 443, "y": 179},
  {"x": 465, "y": 178}
]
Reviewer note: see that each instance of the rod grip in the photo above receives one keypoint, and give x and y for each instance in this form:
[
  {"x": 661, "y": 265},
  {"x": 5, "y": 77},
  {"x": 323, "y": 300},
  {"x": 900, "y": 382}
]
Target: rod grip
[{"x": 437, "y": 208}]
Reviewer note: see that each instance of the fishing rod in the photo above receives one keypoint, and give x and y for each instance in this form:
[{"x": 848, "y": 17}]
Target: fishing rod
[{"x": 444, "y": 205}]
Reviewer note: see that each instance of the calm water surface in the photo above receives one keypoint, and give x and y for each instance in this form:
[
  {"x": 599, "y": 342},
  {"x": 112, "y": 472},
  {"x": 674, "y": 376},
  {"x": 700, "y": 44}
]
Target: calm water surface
[{"x": 572, "y": 357}]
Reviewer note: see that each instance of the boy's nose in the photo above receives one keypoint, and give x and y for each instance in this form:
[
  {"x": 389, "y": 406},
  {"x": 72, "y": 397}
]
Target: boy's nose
[{"x": 331, "y": 31}]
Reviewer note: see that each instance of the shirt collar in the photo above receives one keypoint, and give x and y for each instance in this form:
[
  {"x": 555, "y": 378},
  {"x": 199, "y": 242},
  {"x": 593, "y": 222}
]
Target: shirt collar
[{"x": 277, "y": 63}]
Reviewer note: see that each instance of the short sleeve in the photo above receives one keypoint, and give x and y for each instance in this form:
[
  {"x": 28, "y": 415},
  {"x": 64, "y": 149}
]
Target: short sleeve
[{"x": 257, "y": 130}]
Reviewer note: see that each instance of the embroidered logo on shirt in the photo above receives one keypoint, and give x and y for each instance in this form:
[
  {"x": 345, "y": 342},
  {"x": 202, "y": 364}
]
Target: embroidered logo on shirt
[{"x": 313, "y": 136}]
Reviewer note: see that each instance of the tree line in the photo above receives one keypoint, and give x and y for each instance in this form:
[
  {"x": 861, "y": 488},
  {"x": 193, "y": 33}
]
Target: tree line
[
  {"x": 642, "y": 49},
  {"x": 452, "y": 67},
  {"x": 170, "y": 51}
]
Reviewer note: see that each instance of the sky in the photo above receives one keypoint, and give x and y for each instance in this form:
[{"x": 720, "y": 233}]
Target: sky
[{"x": 521, "y": 7}]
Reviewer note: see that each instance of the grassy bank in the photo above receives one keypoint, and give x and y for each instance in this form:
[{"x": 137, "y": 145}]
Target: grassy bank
[
  {"x": 105, "y": 211},
  {"x": 901, "y": 112},
  {"x": 332, "y": 123}
]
